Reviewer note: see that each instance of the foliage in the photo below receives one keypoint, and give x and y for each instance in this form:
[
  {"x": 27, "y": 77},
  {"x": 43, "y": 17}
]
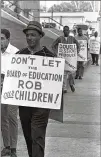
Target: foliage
[{"x": 72, "y": 6}]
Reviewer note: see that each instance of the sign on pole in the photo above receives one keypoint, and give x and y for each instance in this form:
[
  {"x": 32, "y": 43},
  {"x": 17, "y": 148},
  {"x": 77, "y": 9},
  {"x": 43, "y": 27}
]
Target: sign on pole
[
  {"x": 94, "y": 46},
  {"x": 33, "y": 81},
  {"x": 82, "y": 55},
  {"x": 69, "y": 53}
]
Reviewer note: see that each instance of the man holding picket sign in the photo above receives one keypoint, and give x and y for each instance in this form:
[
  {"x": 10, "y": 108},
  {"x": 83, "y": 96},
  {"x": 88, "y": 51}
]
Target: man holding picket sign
[
  {"x": 33, "y": 81},
  {"x": 82, "y": 56},
  {"x": 67, "y": 47},
  {"x": 95, "y": 48},
  {"x": 34, "y": 120}
]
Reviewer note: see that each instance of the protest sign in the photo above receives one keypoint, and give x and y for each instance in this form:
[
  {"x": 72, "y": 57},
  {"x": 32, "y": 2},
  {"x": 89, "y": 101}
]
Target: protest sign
[
  {"x": 82, "y": 55},
  {"x": 33, "y": 81},
  {"x": 94, "y": 46},
  {"x": 69, "y": 53}
]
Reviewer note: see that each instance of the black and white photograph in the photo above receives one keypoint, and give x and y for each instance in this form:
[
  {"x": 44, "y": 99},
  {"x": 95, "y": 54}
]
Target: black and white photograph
[{"x": 50, "y": 78}]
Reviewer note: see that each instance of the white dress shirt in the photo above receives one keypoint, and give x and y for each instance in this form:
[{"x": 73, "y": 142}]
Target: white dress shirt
[{"x": 9, "y": 51}]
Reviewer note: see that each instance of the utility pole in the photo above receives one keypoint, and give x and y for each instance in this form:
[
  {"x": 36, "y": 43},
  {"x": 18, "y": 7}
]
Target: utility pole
[
  {"x": 33, "y": 6},
  {"x": 52, "y": 14},
  {"x": 45, "y": 5}
]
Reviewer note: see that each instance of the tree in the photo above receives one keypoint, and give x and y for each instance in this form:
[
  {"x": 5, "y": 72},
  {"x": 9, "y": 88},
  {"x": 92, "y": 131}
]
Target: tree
[
  {"x": 43, "y": 8},
  {"x": 63, "y": 7},
  {"x": 85, "y": 6},
  {"x": 72, "y": 6}
]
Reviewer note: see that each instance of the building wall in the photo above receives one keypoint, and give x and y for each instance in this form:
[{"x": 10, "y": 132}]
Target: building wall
[
  {"x": 70, "y": 21},
  {"x": 33, "y": 6}
]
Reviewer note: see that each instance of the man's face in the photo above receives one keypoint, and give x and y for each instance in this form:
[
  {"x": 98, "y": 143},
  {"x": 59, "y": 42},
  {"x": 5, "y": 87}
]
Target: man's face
[
  {"x": 32, "y": 37},
  {"x": 66, "y": 31},
  {"x": 80, "y": 32},
  {"x": 4, "y": 41}
]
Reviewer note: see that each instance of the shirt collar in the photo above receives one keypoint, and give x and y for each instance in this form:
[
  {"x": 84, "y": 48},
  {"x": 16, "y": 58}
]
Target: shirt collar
[
  {"x": 8, "y": 48},
  {"x": 33, "y": 52}
]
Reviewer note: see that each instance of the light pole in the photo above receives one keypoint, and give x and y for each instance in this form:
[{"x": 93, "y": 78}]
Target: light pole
[{"x": 52, "y": 12}]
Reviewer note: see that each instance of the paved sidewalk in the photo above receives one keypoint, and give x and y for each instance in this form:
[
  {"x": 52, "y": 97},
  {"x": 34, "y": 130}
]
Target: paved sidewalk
[{"x": 79, "y": 135}]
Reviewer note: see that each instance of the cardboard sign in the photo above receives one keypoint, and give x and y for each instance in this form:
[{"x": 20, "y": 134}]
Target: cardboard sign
[
  {"x": 94, "y": 47},
  {"x": 33, "y": 81},
  {"x": 82, "y": 55},
  {"x": 69, "y": 53}
]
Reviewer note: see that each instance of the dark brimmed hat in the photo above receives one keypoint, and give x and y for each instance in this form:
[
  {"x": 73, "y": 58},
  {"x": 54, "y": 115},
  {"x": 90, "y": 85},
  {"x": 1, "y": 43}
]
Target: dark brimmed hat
[{"x": 34, "y": 25}]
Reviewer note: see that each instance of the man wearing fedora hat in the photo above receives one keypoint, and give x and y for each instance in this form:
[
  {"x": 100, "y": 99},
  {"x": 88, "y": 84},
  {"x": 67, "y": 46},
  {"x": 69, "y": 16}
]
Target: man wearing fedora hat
[{"x": 34, "y": 120}]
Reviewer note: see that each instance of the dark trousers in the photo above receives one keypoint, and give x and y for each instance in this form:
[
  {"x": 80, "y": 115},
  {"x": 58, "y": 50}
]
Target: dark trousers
[
  {"x": 71, "y": 79},
  {"x": 95, "y": 58},
  {"x": 34, "y": 122},
  {"x": 80, "y": 69}
]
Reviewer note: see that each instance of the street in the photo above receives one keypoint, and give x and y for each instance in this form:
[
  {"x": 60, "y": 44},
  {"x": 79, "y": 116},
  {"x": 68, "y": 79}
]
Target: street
[{"x": 79, "y": 134}]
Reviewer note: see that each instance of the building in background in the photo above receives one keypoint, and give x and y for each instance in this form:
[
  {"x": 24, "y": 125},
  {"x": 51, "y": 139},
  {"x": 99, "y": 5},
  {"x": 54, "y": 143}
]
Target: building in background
[
  {"x": 31, "y": 10},
  {"x": 32, "y": 7}
]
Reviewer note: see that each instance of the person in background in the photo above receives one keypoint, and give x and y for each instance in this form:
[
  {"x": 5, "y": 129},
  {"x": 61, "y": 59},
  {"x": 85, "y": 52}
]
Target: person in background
[
  {"x": 89, "y": 32},
  {"x": 34, "y": 120},
  {"x": 80, "y": 64},
  {"x": 66, "y": 39},
  {"x": 9, "y": 122},
  {"x": 74, "y": 31},
  {"x": 95, "y": 57}
]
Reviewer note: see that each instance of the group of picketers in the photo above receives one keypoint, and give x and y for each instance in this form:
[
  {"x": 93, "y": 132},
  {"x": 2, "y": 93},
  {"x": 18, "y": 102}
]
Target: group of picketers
[
  {"x": 34, "y": 120},
  {"x": 68, "y": 39}
]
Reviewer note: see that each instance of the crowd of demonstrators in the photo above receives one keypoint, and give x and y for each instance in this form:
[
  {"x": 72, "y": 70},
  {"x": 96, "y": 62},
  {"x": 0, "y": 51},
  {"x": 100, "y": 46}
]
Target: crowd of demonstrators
[
  {"x": 95, "y": 57},
  {"x": 80, "y": 64},
  {"x": 66, "y": 39},
  {"x": 9, "y": 122},
  {"x": 34, "y": 120}
]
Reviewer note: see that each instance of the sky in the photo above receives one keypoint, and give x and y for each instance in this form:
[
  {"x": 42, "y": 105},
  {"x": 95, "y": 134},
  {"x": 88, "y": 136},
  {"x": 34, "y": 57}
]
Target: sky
[
  {"x": 47, "y": 3},
  {"x": 50, "y": 3}
]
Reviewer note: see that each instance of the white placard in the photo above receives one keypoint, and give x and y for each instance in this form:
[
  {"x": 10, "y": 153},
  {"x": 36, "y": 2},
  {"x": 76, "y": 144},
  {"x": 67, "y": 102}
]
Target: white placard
[
  {"x": 94, "y": 46},
  {"x": 82, "y": 55},
  {"x": 34, "y": 81},
  {"x": 69, "y": 53}
]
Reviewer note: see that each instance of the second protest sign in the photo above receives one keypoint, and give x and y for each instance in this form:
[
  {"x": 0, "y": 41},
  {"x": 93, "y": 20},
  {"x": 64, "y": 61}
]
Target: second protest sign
[
  {"x": 94, "y": 47},
  {"x": 33, "y": 81},
  {"x": 82, "y": 56},
  {"x": 69, "y": 53}
]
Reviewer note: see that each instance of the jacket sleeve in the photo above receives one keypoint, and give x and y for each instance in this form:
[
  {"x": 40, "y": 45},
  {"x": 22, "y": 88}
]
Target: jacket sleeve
[
  {"x": 2, "y": 80},
  {"x": 77, "y": 44},
  {"x": 18, "y": 52},
  {"x": 55, "y": 45},
  {"x": 48, "y": 52},
  {"x": 22, "y": 51},
  {"x": 87, "y": 43}
]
